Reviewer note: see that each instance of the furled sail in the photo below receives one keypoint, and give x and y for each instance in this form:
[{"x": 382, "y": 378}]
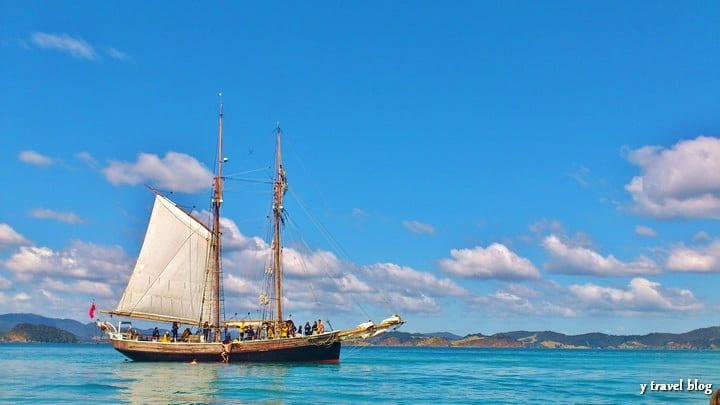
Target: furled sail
[{"x": 170, "y": 280}]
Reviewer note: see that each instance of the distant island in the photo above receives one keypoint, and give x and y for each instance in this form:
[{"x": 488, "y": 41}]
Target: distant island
[
  {"x": 704, "y": 339},
  {"x": 36, "y": 328},
  {"x": 25, "y": 332}
]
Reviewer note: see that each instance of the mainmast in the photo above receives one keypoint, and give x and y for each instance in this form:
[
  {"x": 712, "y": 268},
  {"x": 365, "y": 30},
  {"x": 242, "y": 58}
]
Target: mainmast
[
  {"x": 216, "y": 202},
  {"x": 279, "y": 189}
]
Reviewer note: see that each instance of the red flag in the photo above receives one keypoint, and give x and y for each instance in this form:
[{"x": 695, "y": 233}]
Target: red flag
[{"x": 92, "y": 310}]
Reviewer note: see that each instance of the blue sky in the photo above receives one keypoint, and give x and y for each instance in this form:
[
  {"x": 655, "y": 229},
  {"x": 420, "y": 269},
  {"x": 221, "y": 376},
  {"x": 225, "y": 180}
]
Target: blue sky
[{"x": 480, "y": 166}]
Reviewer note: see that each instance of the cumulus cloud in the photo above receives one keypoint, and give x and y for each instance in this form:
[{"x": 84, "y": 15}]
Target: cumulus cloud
[
  {"x": 418, "y": 304},
  {"x": 682, "y": 181},
  {"x": 581, "y": 260},
  {"x": 641, "y": 295},
  {"x": 398, "y": 277},
  {"x": 9, "y": 237},
  {"x": 494, "y": 262},
  {"x": 643, "y": 230},
  {"x": 94, "y": 288},
  {"x": 81, "y": 260},
  {"x": 509, "y": 302},
  {"x": 176, "y": 171},
  {"x": 76, "y": 47},
  {"x": 703, "y": 259},
  {"x": 68, "y": 217},
  {"x": 418, "y": 227},
  {"x": 34, "y": 158},
  {"x": 312, "y": 277},
  {"x": 547, "y": 298},
  {"x": 22, "y": 296},
  {"x": 233, "y": 238}
]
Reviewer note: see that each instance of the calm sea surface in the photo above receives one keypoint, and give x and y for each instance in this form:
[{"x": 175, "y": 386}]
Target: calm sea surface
[{"x": 90, "y": 373}]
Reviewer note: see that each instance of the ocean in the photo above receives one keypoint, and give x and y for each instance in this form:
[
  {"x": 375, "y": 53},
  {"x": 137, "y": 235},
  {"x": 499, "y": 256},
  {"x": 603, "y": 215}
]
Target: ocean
[{"x": 96, "y": 373}]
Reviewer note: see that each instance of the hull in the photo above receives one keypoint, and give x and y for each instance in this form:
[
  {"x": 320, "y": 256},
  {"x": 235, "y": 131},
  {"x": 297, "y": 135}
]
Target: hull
[{"x": 317, "y": 348}]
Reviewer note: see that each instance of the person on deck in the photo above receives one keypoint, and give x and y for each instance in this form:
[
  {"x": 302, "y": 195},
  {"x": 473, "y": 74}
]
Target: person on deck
[
  {"x": 174, "y": 331},
  {"x": 284, "y": 330},
  {"x": 320, "y": 327},
  {"x": 206, "y": 331},
  {"x": 156, "y": 334},
  {"x": 314, "y": 328},
  {"x": 308, "y": 330},
  {"x": 186, "y": 334}
]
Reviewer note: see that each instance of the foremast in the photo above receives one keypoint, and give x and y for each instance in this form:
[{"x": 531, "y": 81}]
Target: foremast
[
  {"x": 279, "y": 190},
  {"x": 217, "y": 200}
]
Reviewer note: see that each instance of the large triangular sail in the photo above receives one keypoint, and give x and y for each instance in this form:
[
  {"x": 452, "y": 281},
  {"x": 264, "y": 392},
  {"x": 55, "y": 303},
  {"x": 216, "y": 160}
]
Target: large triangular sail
[{"x": 170, "y": 279}]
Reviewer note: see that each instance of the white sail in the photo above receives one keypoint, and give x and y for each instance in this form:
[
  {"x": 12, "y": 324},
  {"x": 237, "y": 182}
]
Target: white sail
[{"x": 170, "y": 280}]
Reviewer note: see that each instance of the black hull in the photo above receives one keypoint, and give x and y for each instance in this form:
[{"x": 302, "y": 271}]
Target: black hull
[{"x": 310, "y": 353}]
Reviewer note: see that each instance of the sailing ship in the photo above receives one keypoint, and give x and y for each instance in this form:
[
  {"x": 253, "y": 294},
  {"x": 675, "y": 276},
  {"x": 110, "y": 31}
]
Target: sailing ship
[{"x": 177, "y": 280}]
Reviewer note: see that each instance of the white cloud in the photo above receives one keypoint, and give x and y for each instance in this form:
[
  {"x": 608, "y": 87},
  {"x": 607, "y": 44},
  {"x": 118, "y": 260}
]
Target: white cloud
[
  {"x": 705, "y": 259},
  {"x": 87, "y": 158},
  {"x": 580, "y": 175},
  {"x": 81, "y": 260},
  {"x": 310, "y": 264},
  {"x": 683, "y": 181},
  {"x": 9, "y": 237},
  {"x": 389, "y": 276},
  {"x": 76, "y": 47},
  {"x": 511, "y": 302},
  {"x": 116, "y": 54},
  {"x": 418, "y": 227},
  {"x": 5, "y": 284},
  {"x": 314, "y": 276},
  {"x": 176, "y": 171},
  {"x": 494, "y": 262},
  {"x": 48, "y": 296},
  {"x": 544, "y": 224},
  {"x": 417, "y": 304},
  {"x": 702, "y": 235},
  {"x": 93, "y": 288},
  {"x": 34, "y": 158},
  {"x": 642, "y": 295},
  {"x": 68, "y": 217},
  {"x": 581, "y": 260},
  {"x": 643, "y": 230},
  {"x": 22, "y": 297},
  {"x": 514, "y": 299}
]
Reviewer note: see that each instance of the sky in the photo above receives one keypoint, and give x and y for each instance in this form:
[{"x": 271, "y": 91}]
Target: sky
[{"x": 474, "y": 166}]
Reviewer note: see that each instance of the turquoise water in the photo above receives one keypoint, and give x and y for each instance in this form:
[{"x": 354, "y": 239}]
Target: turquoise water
[{"x": 86, "y": 373}]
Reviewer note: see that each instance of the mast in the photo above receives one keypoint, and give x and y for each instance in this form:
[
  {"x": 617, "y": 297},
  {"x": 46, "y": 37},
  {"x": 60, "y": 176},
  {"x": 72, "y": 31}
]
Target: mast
[
  {"x": 279, "y": 190},
  {"x": 216, "y": 202}
]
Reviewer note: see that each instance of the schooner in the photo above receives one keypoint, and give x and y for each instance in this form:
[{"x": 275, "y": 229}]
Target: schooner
[{"x": 178, "y": 279}]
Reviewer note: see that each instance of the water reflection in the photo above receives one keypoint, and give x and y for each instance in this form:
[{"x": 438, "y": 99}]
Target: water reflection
[{"x": 147, "y": 383}]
